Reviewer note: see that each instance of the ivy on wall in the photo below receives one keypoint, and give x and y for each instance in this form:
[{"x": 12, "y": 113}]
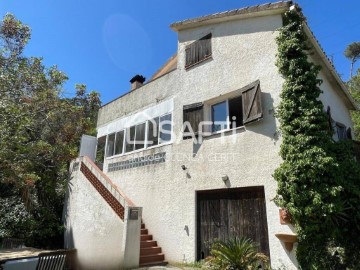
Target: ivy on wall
[{"x": 318, "y": 181}]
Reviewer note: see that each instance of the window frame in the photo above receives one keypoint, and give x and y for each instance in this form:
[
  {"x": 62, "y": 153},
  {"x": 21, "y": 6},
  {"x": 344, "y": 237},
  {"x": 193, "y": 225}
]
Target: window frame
[
  {"x": 146, "y": 147},
  {"x": 229, "y": 128}
]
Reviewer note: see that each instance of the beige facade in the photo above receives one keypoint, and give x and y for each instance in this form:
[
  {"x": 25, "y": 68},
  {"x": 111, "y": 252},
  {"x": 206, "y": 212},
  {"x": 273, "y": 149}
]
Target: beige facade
[{"x": 243, "y": 51}]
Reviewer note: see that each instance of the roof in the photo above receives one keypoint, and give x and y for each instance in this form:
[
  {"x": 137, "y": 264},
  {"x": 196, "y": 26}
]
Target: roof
[
  {"x": 169, "y": 66},
  {"x": 259, "y": 10}
]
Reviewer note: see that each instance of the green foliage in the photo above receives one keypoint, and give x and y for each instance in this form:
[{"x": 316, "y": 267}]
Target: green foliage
[
  {"x": 354, "y": 88},
  {"x": 236, "y": 254},
  {"x": 39, "y": 135},
  {"x": 352, "y": 52},
  {"x": 318, "y": 181}
]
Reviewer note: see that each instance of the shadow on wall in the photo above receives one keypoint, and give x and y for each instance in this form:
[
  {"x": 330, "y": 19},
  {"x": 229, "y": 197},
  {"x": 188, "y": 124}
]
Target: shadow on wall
[{"x": 268, "y": 126}]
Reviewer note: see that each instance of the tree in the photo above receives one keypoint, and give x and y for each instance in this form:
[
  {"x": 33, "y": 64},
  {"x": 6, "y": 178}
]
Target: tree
[
  {"x": 319, "y": 180},
  {"x": 352, "y": 52},
  {"x": 39, "y": 135},
  {"x": 354, "y": 88}
]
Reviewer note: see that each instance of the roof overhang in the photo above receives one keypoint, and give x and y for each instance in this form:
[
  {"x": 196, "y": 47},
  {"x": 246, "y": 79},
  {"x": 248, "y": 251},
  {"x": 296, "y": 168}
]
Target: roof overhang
[
  {"x": 330, "y": 69},
  {"x": 236, "y": 14}
]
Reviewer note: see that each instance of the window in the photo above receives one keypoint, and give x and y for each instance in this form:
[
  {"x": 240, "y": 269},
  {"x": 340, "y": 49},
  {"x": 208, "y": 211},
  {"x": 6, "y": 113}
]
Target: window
[
  {"x": 341, "y": 131},
  {"x": 219, "y": 116},
  {"x": 110, "y": 145},
  {"x": 119, "y": 142},
  {"x": 140, "y": 136},
  {"x": 150, "y": 133},
  {"x": 198, "y": 51},
  {"x": 153, "y": 132},
  {"x": 227, "y": 114},
  {"x": 165, "y": 128},
  {"x": 130, "y": 137}
]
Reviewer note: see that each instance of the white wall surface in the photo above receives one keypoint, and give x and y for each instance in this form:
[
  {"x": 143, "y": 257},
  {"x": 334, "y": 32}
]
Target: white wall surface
[{"x": 92, "y": 227}]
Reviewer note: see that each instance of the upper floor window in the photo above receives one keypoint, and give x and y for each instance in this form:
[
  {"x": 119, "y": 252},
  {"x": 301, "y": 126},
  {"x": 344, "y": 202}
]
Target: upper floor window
[
  {"x": 198, "y": 51},
  {"x": 144, "y": 135},
  {"x": 228, "y": 114}
]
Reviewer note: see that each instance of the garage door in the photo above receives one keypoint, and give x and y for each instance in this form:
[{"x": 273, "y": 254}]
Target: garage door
[{"x": 226, "y": 213}]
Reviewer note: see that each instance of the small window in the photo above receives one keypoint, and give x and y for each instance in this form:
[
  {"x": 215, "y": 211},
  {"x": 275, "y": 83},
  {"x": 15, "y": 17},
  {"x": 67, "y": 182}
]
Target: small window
[
  {"x": 341, "y": 131},
  {"x": 140, "y": 136},
  {"x": 198, "y": 51},
  {"x": 110, "y": 145},
  {"x": 153, "y": 132},
  {"x": 165, "y": 128},
  {"x": 100, "y": 150},
  {"x": 119, "y": 142}
]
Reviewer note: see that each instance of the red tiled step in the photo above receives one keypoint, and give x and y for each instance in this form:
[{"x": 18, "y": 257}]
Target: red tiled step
[
  {"x": 146, "y": 237},
  {"x": 152, "y": 258},
  {"x": 142, "y": 226},
  {"x": 144, "y": 231},
  {"x": 150, "y": 251},
  {"x": 148, "y": 243},
  {"x": 160, "y": 263}
]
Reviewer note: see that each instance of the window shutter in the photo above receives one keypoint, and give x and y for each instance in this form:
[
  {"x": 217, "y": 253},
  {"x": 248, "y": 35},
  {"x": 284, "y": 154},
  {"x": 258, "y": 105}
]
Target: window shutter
[
  {"x": 251, "y": 99},
  {"x": 348, "y": 134},
  {"x": 197, "y": 51},
  {"x": 193, "y": 113}
]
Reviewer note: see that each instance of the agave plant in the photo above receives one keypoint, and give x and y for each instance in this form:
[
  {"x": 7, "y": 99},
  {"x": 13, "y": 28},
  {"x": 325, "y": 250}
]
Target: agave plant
[{"x": 237, "y": 254}]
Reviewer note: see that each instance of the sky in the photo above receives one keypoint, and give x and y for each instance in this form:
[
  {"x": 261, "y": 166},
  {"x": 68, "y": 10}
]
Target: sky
[{"x": 103, "y": 44}]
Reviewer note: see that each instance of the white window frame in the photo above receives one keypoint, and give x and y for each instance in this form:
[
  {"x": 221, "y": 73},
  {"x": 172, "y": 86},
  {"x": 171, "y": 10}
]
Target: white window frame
[{"x": 146, "y": 137}]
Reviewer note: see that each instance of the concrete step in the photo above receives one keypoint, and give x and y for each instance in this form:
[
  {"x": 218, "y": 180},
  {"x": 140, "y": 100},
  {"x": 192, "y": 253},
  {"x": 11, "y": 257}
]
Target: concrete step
[
  {"x": 148, "y": 243},
  {"x": 150, "y": 251},
  {"x": 146, "y": 237},
  {"x": 152, "y": 258}
]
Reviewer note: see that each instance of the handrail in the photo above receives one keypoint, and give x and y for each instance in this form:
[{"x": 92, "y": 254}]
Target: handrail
[{"x": 115, "y": 198}]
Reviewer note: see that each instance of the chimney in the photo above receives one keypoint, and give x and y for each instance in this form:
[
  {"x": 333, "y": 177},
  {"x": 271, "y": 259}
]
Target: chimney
[{"x": 137, "y": 82}]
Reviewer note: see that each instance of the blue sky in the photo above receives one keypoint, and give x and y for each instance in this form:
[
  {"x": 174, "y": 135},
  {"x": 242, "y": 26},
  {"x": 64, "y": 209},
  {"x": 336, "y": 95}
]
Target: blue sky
[{"x": 104, "y": 43}]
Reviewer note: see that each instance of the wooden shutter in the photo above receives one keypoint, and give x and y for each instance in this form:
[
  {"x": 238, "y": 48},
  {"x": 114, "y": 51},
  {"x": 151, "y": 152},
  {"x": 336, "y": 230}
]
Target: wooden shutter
[
  {"x": 251, "y": 102},
  {"x": 198, "y": 51},
  {"x": 193, "y": 113}
]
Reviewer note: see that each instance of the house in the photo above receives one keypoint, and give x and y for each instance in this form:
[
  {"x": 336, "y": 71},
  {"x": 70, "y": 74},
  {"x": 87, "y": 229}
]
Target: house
[{"x": 192, "y": 151}]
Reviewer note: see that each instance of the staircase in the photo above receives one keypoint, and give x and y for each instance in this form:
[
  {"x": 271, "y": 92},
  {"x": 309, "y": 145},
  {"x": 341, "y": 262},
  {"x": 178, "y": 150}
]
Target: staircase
[{"x": 150, "y": 252}]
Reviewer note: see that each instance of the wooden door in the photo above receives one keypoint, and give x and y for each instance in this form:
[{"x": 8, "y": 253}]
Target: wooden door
[{"x": 226, "y": 213}]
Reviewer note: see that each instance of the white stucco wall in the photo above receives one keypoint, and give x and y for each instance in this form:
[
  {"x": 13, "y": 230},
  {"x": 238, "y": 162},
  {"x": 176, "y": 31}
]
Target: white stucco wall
[
  {"x": 92, "y": 227},
  {"x": 242, "y": 52}
]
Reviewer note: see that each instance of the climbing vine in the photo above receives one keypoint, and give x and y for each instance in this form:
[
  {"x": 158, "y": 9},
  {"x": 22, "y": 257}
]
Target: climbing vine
[{"x": 318, "y": 181}]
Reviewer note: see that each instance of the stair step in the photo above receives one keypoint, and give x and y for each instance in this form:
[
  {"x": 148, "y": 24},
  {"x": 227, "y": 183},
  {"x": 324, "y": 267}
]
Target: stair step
[
  {"x": 142, "y": 226},
  {"x": 160, "y": 263},
  {"x": 148, "y": 243},
  {"x": 146, "y": 237},
  {"x": 152, "y": 258},
  {"x": 150, "y": 251},
  {"x": 144, "y": 231}
]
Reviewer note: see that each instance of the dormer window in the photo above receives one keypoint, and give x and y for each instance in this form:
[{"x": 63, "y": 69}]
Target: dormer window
[{"x": 198, "y": 51}]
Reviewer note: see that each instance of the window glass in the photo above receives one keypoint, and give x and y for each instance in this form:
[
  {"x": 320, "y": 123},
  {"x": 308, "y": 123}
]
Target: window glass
[
  {"x": 130, "y": 137},
  {"x": 140, "y": 136},
  {"x": 153, "y": 132},
  {"x": 110, "y": 145},
  {"x": 235, "y": 112},
  {"x": 341, "y": 131},
  {"x": 100, "y": 150},
  {"x": 165, "y": 128},
  {"x": 119, "y": 143},
  {"x": 219, "y": 116}
]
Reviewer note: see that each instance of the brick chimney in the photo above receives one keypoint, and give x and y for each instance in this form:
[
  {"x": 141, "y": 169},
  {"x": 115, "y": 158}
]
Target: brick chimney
[{"x": 137, "y": 81}]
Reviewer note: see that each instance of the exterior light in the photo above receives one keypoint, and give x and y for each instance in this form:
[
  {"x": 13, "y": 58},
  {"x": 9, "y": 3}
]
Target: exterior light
[{"x": 225, "y": 178}]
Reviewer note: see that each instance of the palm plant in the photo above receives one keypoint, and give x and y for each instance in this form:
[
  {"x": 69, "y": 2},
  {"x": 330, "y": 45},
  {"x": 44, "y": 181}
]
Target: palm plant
[{"x": 236, "y": 254}]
